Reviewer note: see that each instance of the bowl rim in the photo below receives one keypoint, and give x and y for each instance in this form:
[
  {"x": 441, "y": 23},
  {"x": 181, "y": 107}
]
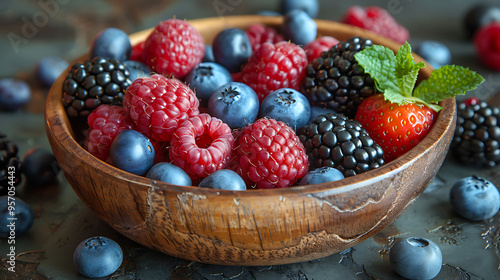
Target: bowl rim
[{"x": 67, "y": 141}]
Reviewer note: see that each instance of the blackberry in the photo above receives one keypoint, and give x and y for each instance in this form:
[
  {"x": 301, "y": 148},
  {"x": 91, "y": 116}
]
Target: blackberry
[
  {"x": 477, "y": 134},
  {"x": 94, "y": 82},
  {"x": 10, "y": 165},
  {"x": 333, "y": 140},
  {"x": 335, "y": 80}
]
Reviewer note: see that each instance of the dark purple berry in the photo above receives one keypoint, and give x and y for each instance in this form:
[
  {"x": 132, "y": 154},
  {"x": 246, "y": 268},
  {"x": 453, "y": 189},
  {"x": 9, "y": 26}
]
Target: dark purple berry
[
  {"x": 236, "y": 104},
  {"x": 14, "y": 94},
  {"x": 97, "y": 257},
  {"x": 224, "y": 179},
  {"x": 48, "y": 69},
  {"x": 111, "y": 43},
  {"x": 232, "y": 49},
  {"x": 40, "y": 167},
  {"x": 132, "y": 151}
]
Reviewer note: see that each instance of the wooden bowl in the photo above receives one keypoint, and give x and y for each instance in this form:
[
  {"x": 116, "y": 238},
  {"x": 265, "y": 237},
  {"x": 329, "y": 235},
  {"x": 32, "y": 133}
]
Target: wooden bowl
[{"x": 254, "y": 227}]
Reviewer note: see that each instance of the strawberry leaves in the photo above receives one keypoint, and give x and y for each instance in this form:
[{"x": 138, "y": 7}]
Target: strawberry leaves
[{"x": 396, "y": 76}]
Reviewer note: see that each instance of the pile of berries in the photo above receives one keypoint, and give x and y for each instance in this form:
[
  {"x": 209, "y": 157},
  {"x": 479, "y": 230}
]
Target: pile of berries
[{"x": 259, "y": 105}]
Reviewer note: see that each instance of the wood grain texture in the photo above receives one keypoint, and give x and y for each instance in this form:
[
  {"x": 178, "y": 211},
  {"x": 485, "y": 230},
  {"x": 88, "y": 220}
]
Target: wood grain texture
[{"x": 255, "y": 227}]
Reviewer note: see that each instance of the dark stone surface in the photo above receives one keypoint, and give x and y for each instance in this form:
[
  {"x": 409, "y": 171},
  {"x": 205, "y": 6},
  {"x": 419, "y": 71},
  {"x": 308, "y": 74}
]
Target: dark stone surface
[{"x": 470, "y": 250}]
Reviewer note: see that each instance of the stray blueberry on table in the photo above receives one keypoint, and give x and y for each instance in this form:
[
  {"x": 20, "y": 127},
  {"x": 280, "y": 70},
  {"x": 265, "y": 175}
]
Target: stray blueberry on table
[
  {"x": 97, "y": 257},
  {"x": 475, "y": 198},
  {"x": 416, "y": 258},
  {"x": 10, "y": 165},
  {"x": 14, "y": 94},
  {"x": 434, "y": 52},
  {"x": 16, "y": 216},
  {"x": 40, "y": 166},
  {"x": 48, "y": 69}
]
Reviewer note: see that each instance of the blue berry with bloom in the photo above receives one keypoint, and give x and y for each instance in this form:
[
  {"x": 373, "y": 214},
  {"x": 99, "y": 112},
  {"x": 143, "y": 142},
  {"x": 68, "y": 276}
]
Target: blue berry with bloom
[
  {"x": 286, "y": 105},
  {"x": 169, "y": 173},
  {"x": 97, "y": 257},
  {"x": 475, "y": 198},
  {"x": 299, "y": 27},
  {"x": 132, "y": 151},
  {"x": 224, "y": 179},
  {"x": 205, "y": 78}
]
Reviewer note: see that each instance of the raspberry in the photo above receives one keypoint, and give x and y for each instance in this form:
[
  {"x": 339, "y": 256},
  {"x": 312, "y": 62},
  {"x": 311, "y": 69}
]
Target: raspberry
[
  {"x": 258, "y": 34},
  {"x": 269, "y": 154},
  {"x": 158, "y": 104},
  {"x": 174, "y": 47},
  {"x": 137, "y": 52},
  {"x": 201, "y": 145},
  {"x": 272, "y": 67},
  {"x": 322, "y": 44},
  {"x": 105, "y": 123},
  {"x": 161, "y": 150},
  {"x": 487, "y": 44},
  {"x": 378, "y": 20}
]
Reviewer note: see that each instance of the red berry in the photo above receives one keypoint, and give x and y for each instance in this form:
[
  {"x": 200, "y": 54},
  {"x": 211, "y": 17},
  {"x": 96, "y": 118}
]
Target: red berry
[
  {"x": 158, "y": 104},
  {"x": 274, "y": 66},
  {"x": 487, "y": 44},
  {"x": 258, "y": 34},
  {"x": 378, "y": 20},
  {"x": 105, "y": 122},
  {"x": 322, "y": 44},
  {"x": 471, "y": 101},
  {"x": 174, "y": 47},
  {"x": 269, "y": 154},
  {"x": 161, "y": 150},
  {"x": 396, "y": 129},
  {"x": 201, "y": 145},
  {"x": 137, "y": 52}
]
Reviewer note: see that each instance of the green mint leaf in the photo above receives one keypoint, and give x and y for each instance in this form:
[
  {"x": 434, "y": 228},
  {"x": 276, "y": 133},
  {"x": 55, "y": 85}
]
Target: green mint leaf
[
  {"x": 406, "y": 70},
  {"x": 447, "y": 81},
  {"x": 379, "y": 62}
]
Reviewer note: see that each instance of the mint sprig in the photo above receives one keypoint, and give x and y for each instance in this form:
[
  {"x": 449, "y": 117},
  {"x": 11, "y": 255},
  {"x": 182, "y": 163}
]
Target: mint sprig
[{"x": 396, "y": 76}]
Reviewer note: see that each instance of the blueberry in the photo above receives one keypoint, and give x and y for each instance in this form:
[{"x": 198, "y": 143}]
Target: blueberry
[
  {"x": 299, "y": 27},
  {"x": 475, "y": 198},
  {"x": 209, "y": 54},
  {"x": 232, "y": 48},
  {"x": 205, "y": 78},
  {"x": 286, "y": 105},
  {"x": 235, "y": 103},
  {"x": 48, "y": 69},
  {"x": 40, "y": 167},
  {"x": 133, "y": 152},
  {"x": 16, "y": 216},
  {"x": 480, "y": 15},
  {"x": 97, "y": 257},
  {"x": 111, "y": 43},
  {"x": 224, "y": 179},
  {"x": 137, "y": 69},
  {"x": 321, "y": 175},
  {"x": 316, "y": 111},
  {"x": 269, "y": 13},
  {"x": 14, "y": 94},
  {"x": 169, "y": 173},
  {"x": 416, "y": 258},
  {"x": 311, "y": 7},
  {"x": 436, "y": 53}
]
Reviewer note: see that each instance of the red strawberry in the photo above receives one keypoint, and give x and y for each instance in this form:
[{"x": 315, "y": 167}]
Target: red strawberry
[
  {"x": 395, "y": 128},
  {"x": 174, "y": 47}
]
